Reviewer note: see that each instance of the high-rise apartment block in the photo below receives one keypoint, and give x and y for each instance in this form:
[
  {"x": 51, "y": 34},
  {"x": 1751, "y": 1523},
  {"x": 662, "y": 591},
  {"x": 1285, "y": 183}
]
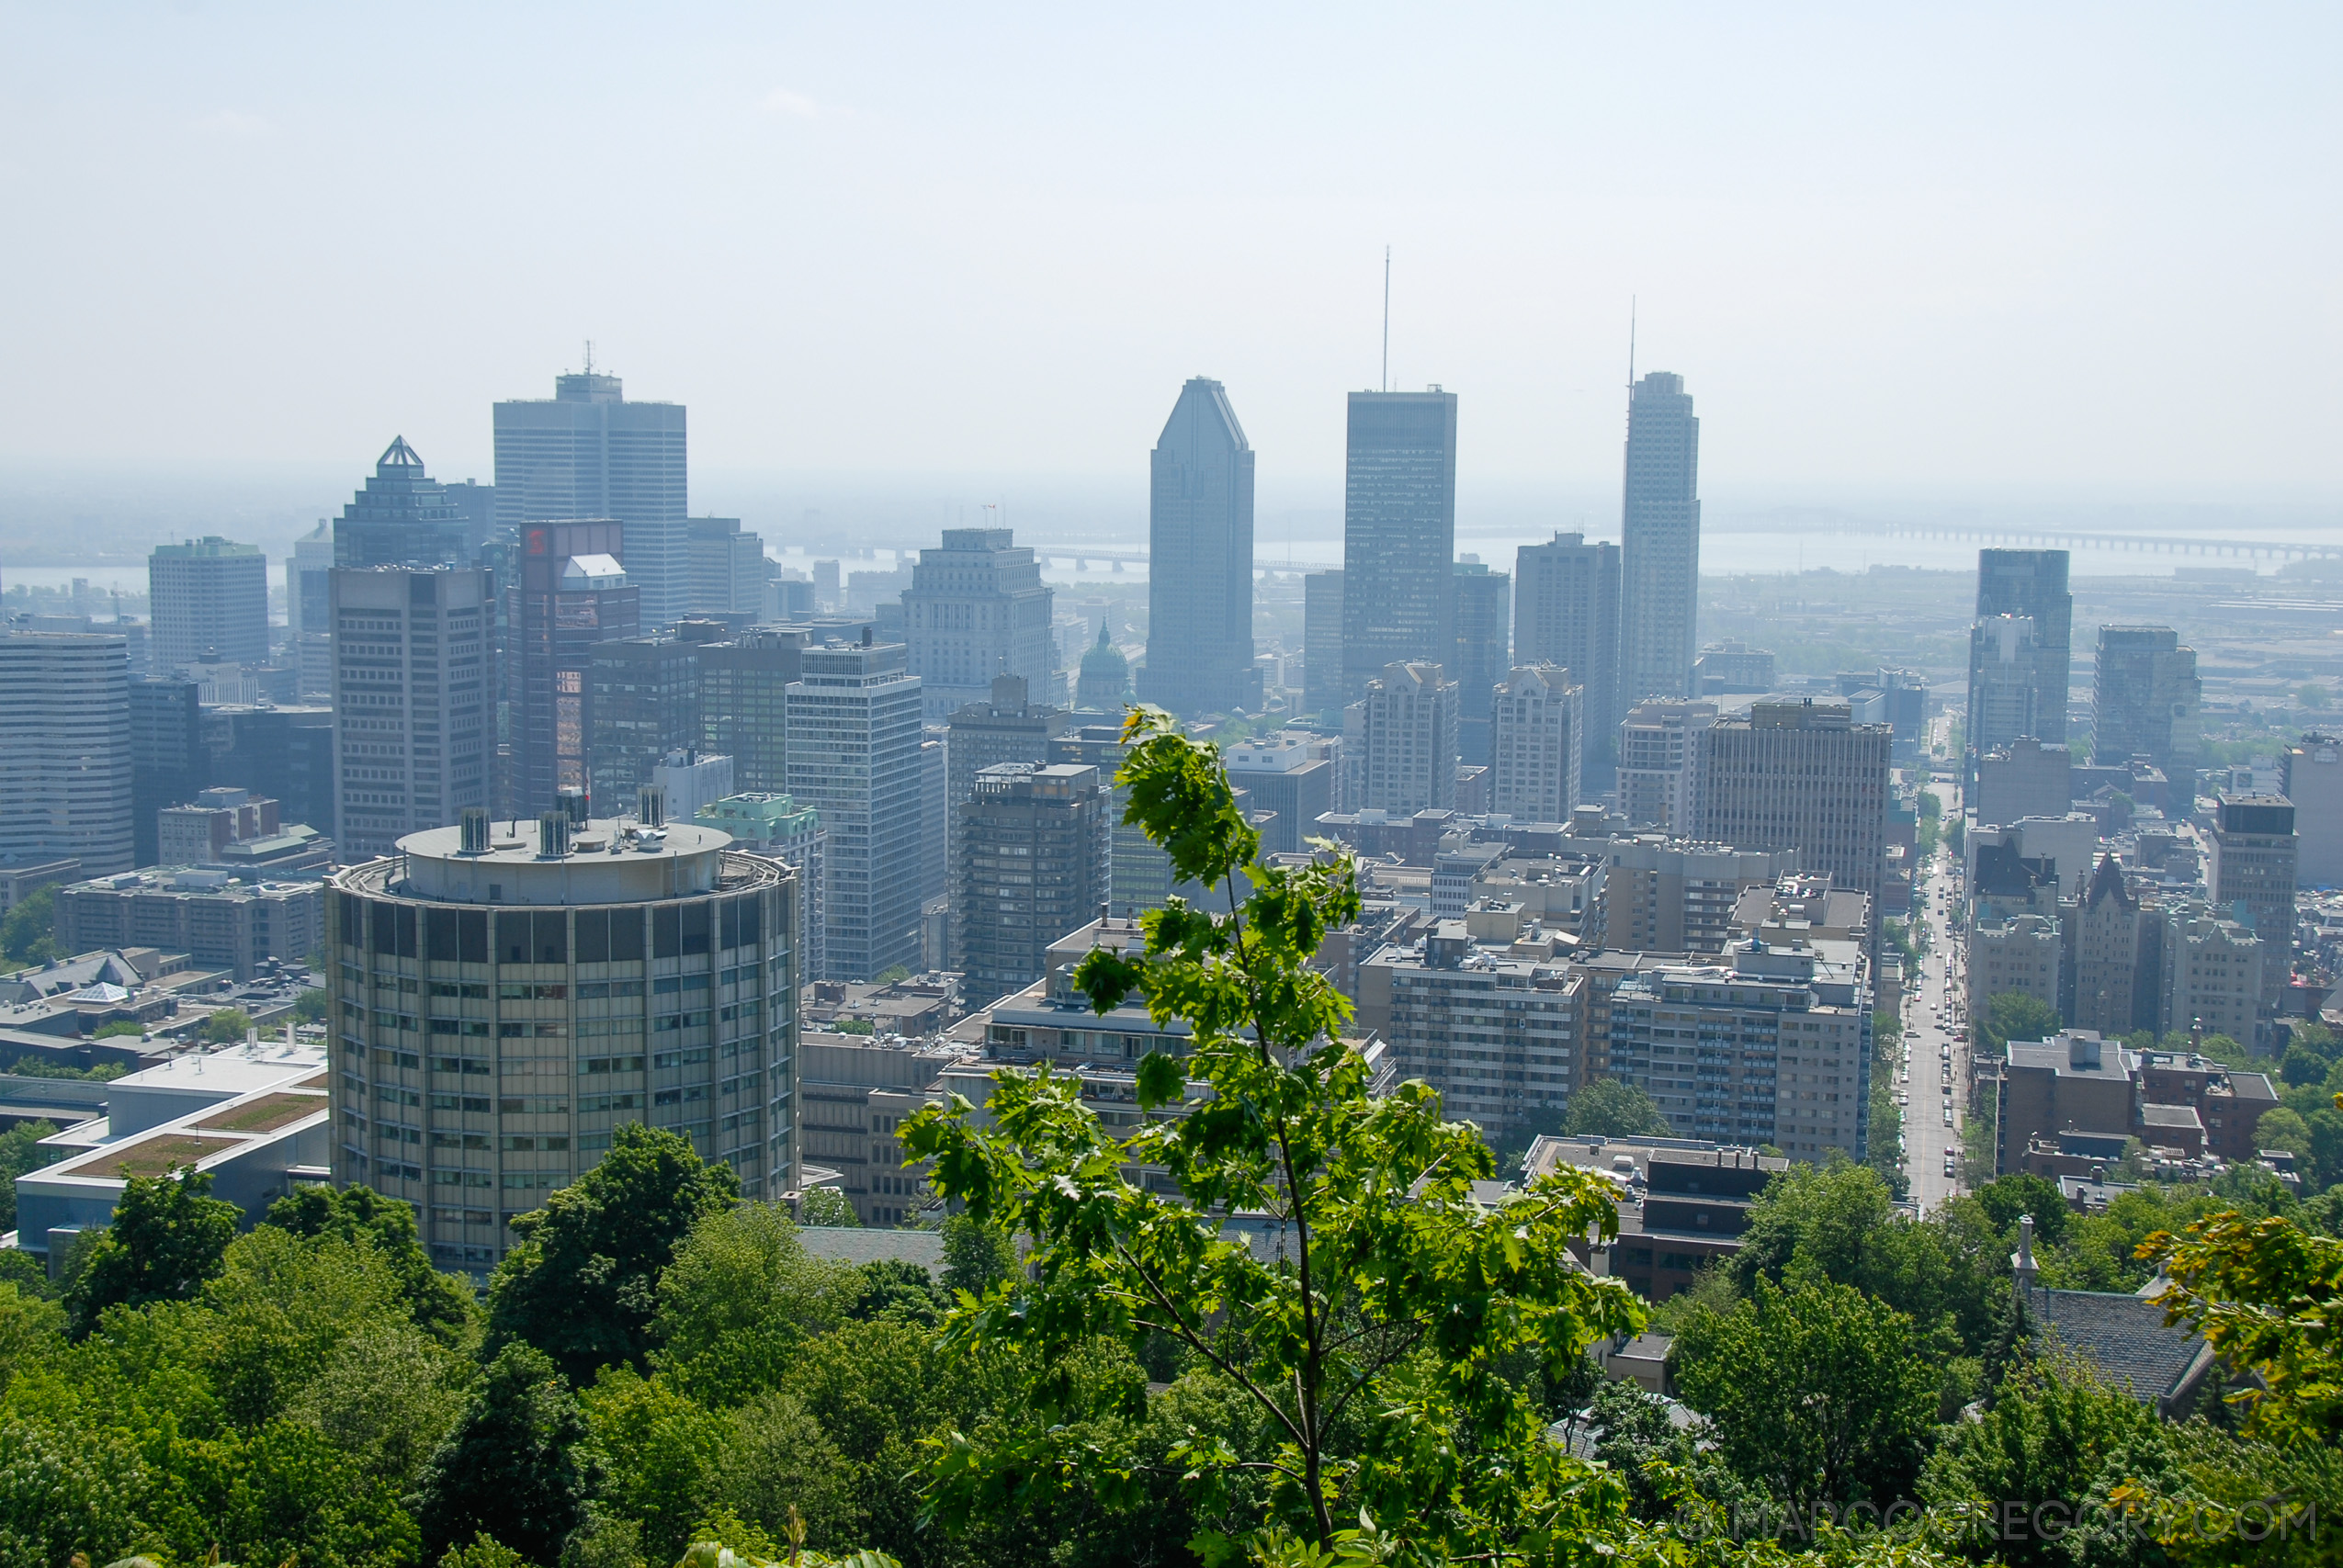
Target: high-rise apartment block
[
  {"x": 1139, "y": 874},
  {"x": 1500, "y": 1038},
  {"x": 588, "y": 453},
  {"x": 414, "y": 706},
  {"x": 1007, "y": 728},
  {"x": 1800, "y": 776},
  {"x": 1659, "y": 754},
  {"x": 1566, "y": 612},
  {"x": 1663, "y": 895},
  {"x": 569, "y": 593},
  {"x": 1399, "y": 534},
  {"x": 501, "y": 1010},
  {"x": 2145, "y": 702},
  {"x": 2118, "y": 957},
  {"x": 2214, "y": 970},
  {"x": 2313, "y": 781},
  {"x": 729, "y": 568},
  {"x": 975, "y": 609},
  {"x": 2253, "y": 869},
  {"x": 1200, "y": 558},
  {"x": 2032, "y": 584},
  {"x": 1321, "y": 641},
  {"x": 66, "y": 757},
  {"x": 1660, "y": 542},
  {"x": 209, "y": 602},
  {"x": 1535, "y": 746},
  {"x": 854, "y": 757},
  {"x": 1032, "y": 865},
  {"x": 1403, "y": 736},
  {"x": 401, "y": 517},
  {"x": 1484, "y": 652}
]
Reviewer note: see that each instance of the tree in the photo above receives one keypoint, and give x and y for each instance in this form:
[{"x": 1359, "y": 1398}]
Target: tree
[
  {"x": 28, "y": 931},
  {"x": 2014, "y": 1015},
  {"x": 2268, "y": 1296},
  {"x": 583, "y": 1283},
  {"x": 228, "y": 1026},
  {"x": 1819, "y": 1394},
  {"x": 740, "y": 1300},
  {"x": 2301, "y": 1066},
  {"x": 827, "y": 1206},
  {"x": 1391, "y": 1286},
  {"x": 1608, "y": 1107},
  {"x": 20, "y": 1152},
  {"x": 439, "y": 1302},
  {"x": 976, "y": 1256},
  {"x": 513, "y": 1467},
  {"x": 892, "y": 1288},
  {"x": 167, "y": 1238},
  {"x": 310, "y": 1006},
  {"x": 2283, "y": 1129}
]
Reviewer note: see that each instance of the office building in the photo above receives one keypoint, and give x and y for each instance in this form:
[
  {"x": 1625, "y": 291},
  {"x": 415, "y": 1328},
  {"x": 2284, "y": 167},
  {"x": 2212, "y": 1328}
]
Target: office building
[
  {"x": 198, "y": 832},
  {"x": 858, "y": 1092},
  {"x": 2313, "y": 782},
  {"x": 1732, "y": 668},
  {"x": 1484, "y": 652},
  {"x": 935, "y": 818},
  {"x": 1662, "y": 894},
  {"x": 688, "y": 781},
  {"x": 2022, "y": 778},
  {"x": 1534, "y": 749},
  {"x": 217, "y": 920},
  {"x": 2119, "y": 957},
  {"x": 2031, "y": 584},
  {"x": 854, "y": 757},
  {"x": 1399, "y": 534},
  {"x": 2146, "y": 698},
  {"x": 401, "y": 517},
  {"x": 777, "y": 827},
  {"x": 977, "y": 608},
  {"x": 414, "y": 706},
  {"x": 1031, "y": 867},
  {"x": 729, "y": 568},
  {"x": 2252, "y": 875},
  {"x": 2075, "y": 1081},
  {"x": 2006, "y": 686},
  {"x": 283, "y": 751},
  {"x": 1566, "y": 612},
  {"x": 1139, "y": 871},
  {"x": 744, "y": 703},
  {"x": 1897, "y": 698},
  {"x": 168, "y": 757},
  {"x": 1321, "y": 641},
  {"x": 588, "y": 453},
  {"x": 1683, "y": 1205},
  {"x": 1500, "y": 1037},
  {"x": 1803, "y": 776},
  {"x": 208, "y": 600},
  {"x": 1292, "y": 775},
  {"x": 66, "y": 772},
  {"x": 501, "y": 1007},
  {"x": 309, "y": 611},
  {"x": 1008, "y": 726},
  {"x": 1767, "y": 1046},
  {"x": 1403, "y": 734},
  {"x": 643, "y": 702},
  {"x": 1105, "y": 682},
  {"x": 569, "y": 594},
  {"x": 1200, "y": 558},
  {"x": 1660, "y": 542},
  {"x": 1657, "y": 751}
]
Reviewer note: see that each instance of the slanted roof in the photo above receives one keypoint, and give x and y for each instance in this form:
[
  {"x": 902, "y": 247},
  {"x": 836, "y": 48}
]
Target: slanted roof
[
  {"x": 2124, "y": 1336},
  {"x": 848, "y": 1243}
]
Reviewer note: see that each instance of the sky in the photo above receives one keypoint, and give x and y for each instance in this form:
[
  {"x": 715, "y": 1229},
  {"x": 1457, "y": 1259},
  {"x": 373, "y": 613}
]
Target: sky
[{"x": 2087, "y": 251}]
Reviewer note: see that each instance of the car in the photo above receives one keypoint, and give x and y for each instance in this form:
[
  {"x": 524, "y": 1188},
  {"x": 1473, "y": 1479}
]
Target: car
[{"x": 1947, "y": 1116}]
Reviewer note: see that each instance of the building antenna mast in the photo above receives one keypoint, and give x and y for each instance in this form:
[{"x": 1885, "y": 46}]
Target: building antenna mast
[
  {"x": 1631, "y": 345},
  {"x": 1386, "y": 318},
  {"x": 589, "y": 369}
]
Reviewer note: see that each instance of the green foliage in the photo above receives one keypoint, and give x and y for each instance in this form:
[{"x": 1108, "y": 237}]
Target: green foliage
[
  {"x": 168, "y": 1237},
  {"x": 2267, "y": 1295},
  {"x": 658, "y": 1449},
  {"x": 121, "y": 1028},
  {"x": 1819, "y": 1393},
  {"x": 20, "y": 1152},
  {"x": 827, "y": 1206},
  {"x": 515, "y": 1467},
  {"x": 482, "y": 1551},
  {"x": 1396, "y": 1291},
  {"x": 583, "y": 1283},
  {"x": 2302, "y": 1066},
  {"x": 42, "y": 1068},
  {"x": 439, "y": 1302},
  {"x": 852, "y": 1026},
  {"x": 1609, "y": 1108},
  {"x": 29, "y": 930},
  {"x": 892, "y": 1288},
  {"x": 310, "y": 1006},
  {"x": 740, "y": 1300},
  {"x": 2013, "y": 1015},
  {"x": 890, "y": 974},
  {"x": 977, "y": 1255},
  {"x": 229, "y": 1026}
]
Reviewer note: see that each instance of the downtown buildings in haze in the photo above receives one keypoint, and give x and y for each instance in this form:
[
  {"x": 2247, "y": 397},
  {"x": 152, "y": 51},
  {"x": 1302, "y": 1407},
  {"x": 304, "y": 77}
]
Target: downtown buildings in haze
[
  {"x": 1200, "y": 554},
  {"x": 1660, "y": 542},
  {"x": 1398, "y": 535}
]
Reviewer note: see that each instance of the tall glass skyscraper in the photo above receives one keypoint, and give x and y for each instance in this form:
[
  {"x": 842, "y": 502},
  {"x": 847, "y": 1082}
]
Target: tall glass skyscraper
[
  {"x": 401, "y": 517},
  {"x": 587, "y": 453},
  {"x": 1200, "y": 558},
  {"x": 1660, "y": 542},
  {"x": 1398, "y": 535},
  {"x": 1566, "y": 612},
  {"x": 2032, "y": 584}
]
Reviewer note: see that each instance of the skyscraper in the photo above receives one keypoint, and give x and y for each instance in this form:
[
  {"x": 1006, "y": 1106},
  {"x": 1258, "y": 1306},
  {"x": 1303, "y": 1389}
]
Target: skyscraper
[
  {"x": 729, "y": 568},
  {"x": 1008, "y": 726},
  {"x": 1031, "y": 865},
  {"x": 1398, "y": 535},
  {"x": 745, "y": 703},
  {"x": 1535, "y": 746},
  {"x": 643, "y": 702},
  {"x": 2314, "y": 780},
  {"x": 2144, "y": 700},
  {"x": 1484, "y": 651},
  {"x": 1659, "y": 747},
  {"x": 1405, "y": 731},
  {"x": 2005, "y": 658},
  {"x": 1566, "y": 612},
  {"x": 209, "y": 598},
  {"x": 2032, "y": 584},
  {"x": 1322, "y": 641},
  {"x": 66, "y": 767},
  {"x": 1660, "y": 542},
  {"x": 401, "y": 517},
  {"x": 975, "y": 609},
  {"x": 414, "y": 701},
  {"x": 2255, "y": 862},
  {"x": 588, "y": 453},
  {"x": 569, "y": 593},
  {"x": 854, "y": 757},
  {"x": 1803, "y": 776},
  {"x": 1200, "y": 556},
  {"x": 168, "y": 757}
]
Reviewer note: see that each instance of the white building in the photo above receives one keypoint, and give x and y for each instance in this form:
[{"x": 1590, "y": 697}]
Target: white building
[
  {"x": 65, "y": 750},
  {"x": 1401, "y": 740},
  {"x": 209, "y": 598},
  {"x": 415, "y": 711},
  {"x": 1534, "y": 744},
  {"x": 855, "y": 757},
  {"x": 975, "y": 609},
  {"x": 1658, "y": 745}
]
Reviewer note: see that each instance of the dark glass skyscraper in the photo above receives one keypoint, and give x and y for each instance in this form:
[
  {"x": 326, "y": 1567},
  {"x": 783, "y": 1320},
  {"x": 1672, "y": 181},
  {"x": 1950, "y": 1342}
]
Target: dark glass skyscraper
[
  {"x": 1659, "y": 540},
  {"x": 1399, "y": 534},
  {"x": 402, "y": 518},
  {"x": 1484, "y": 653},
  {"x": 1200, "y": 556},
  {"x": 2034, "y": 583}
]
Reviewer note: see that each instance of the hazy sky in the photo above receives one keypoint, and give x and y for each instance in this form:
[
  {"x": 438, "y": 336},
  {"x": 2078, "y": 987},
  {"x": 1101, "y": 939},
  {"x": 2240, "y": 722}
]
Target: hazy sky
[{"x": 2000, "y": 248}]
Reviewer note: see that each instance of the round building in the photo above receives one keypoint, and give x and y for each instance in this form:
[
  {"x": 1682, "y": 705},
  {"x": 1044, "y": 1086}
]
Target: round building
[{"x": 501, "y": 1003}]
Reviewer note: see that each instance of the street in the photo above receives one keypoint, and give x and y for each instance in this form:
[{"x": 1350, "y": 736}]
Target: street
[{"x": 1936, "y": 1065}]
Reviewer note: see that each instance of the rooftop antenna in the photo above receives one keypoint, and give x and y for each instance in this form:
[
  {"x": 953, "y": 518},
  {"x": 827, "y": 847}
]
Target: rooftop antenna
[
  {"x": 1386, "y": 318},
  {"x": 589, "y": 369},
  {"x": 1631, "y": 345}
]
